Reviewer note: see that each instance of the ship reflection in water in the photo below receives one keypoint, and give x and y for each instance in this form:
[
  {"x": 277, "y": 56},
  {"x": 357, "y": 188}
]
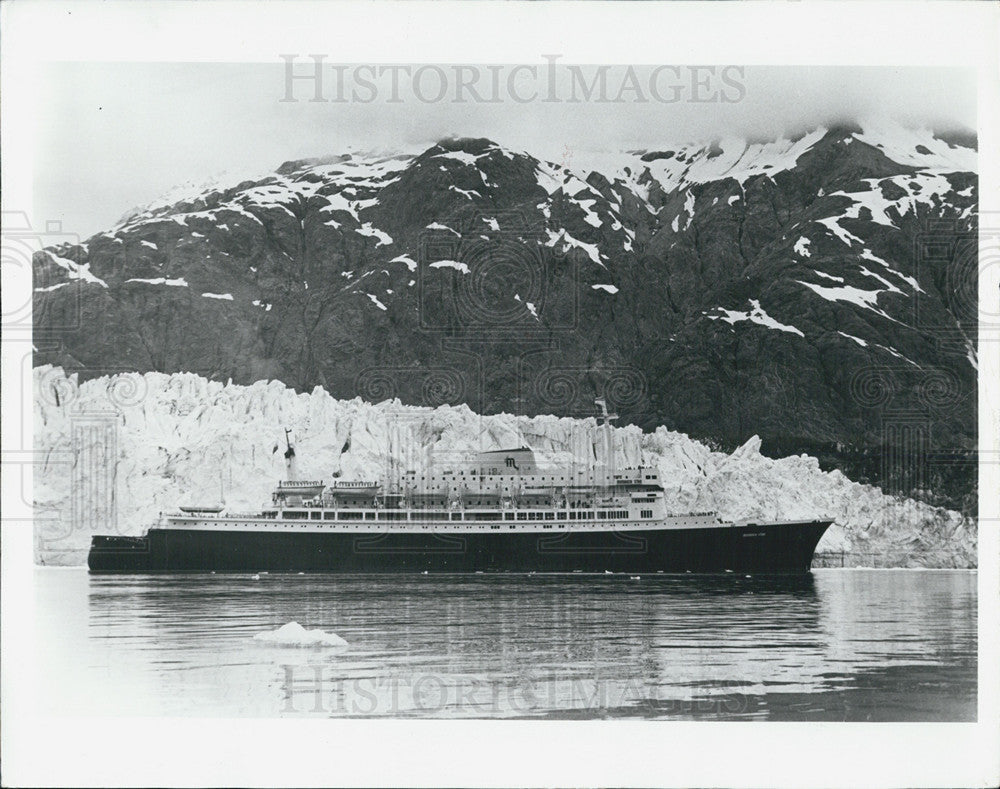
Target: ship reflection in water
[{"x": 834, "y": 645}]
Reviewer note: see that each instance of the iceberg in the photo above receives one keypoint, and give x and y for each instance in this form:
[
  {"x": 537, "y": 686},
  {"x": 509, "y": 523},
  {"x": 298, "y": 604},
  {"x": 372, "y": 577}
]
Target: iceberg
[{"x": 294, "y": 635}]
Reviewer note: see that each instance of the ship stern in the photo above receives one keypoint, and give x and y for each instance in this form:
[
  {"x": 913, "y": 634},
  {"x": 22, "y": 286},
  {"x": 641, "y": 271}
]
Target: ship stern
[{"x": 115, "y": 554}]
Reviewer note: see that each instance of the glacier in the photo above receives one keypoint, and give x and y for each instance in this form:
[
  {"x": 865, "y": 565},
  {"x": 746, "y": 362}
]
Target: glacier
[{"x": 116, "y": 451}]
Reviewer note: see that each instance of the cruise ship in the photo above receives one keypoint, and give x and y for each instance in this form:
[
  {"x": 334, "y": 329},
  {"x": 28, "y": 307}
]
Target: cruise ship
[{"x": 496, "y": 511}]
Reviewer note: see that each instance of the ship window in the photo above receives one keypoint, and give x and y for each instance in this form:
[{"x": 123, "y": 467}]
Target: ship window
[
  {"x": 522, "y": 516},
  {"x": 550, "y": 516},
  {"x": 495, "y": 526}
]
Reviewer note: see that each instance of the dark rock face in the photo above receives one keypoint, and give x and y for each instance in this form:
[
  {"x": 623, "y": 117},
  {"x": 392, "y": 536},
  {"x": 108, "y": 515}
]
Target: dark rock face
[{"x": 819, "y": 292}]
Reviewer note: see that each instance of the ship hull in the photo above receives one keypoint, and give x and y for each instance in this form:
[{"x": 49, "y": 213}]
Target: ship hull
[{"x": 773, "y": 548}]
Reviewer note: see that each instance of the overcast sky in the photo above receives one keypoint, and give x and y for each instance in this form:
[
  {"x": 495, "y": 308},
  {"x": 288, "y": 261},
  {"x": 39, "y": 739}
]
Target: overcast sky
[{"x": 112, "y": 136}]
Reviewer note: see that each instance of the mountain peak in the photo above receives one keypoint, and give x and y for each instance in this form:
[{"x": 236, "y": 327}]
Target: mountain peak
[{"x": 473, "y": 145}]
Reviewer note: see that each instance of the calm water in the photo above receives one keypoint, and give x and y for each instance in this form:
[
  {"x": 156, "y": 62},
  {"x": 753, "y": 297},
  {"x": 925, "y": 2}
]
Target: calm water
[{"x": 836, "y": 645}]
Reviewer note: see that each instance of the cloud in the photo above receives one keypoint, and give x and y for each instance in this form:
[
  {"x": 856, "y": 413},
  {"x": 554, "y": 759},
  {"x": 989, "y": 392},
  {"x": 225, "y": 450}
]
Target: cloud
[{"x": 114, "y": 135}]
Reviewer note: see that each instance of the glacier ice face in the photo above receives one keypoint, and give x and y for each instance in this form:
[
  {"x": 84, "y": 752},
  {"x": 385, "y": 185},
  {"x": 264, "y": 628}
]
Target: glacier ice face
[{"x": 119, "y": 450}]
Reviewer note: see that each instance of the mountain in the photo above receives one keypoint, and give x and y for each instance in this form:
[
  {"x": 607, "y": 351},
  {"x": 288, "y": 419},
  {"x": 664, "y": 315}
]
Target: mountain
[
  {"x": 165, "y": 440},
  {"x": 817, "y": 291}
]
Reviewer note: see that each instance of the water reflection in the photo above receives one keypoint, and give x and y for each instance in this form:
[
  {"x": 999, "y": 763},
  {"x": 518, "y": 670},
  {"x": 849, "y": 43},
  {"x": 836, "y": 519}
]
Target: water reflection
[{"x": 856, "y": 645}]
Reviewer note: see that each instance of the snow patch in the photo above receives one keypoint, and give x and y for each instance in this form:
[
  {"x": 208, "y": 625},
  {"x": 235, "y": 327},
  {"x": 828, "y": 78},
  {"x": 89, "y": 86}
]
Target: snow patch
[
  {"x": 689, "y": 208},
  {"x": 757, "y": 315},
  {"x": 916, "y": 147},
  {"x": 867, "y": 299},
  {"x": 529, "y": 305},
  {"x": 368, "y": 230},
  {"x": 411, "y": 264},
  {"x": 832, "y": 224},
  {"x": 455, "y": 264},
  {"x": 376, "y": 302},
  {"x": 589, "y": 214},
  {"x": 439, "y": 226},
  {"x": 459, "y": 156},
  {"x": 50, "y": 288},
  {"x": 75, "y": 270},
  {"x": 180, "y": 282},
  {"x": 567, "y": 242},
  {"x": 858, "y": 340},
  {"x": 827, "y": 276},
  {"x": 866, "y": 254},
  {"x": 470, "y": 193}
]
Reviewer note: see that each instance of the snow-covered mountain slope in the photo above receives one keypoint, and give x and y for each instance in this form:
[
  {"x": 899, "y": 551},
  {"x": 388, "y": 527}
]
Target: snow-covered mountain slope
[
  {"x": 807, "y": 290},
  {"x": 119, "y": 450}
]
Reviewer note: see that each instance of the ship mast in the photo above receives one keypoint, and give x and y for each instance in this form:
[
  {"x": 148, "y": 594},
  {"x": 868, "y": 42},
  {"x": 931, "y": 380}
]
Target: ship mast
[{"x": 291, "y": 467}]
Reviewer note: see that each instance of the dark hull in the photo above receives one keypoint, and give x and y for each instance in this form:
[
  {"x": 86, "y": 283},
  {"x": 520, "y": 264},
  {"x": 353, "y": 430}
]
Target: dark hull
[{"x": 776, "y": 547}]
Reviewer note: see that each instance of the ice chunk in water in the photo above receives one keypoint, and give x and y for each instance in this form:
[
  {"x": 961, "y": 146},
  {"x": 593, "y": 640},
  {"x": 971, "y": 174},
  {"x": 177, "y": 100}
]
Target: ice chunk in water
[{"x": 294, "y": 635}]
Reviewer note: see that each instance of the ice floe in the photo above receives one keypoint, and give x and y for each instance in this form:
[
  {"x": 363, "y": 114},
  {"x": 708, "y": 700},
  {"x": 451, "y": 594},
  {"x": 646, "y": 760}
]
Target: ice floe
[{"x": 294, "y": 635}]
